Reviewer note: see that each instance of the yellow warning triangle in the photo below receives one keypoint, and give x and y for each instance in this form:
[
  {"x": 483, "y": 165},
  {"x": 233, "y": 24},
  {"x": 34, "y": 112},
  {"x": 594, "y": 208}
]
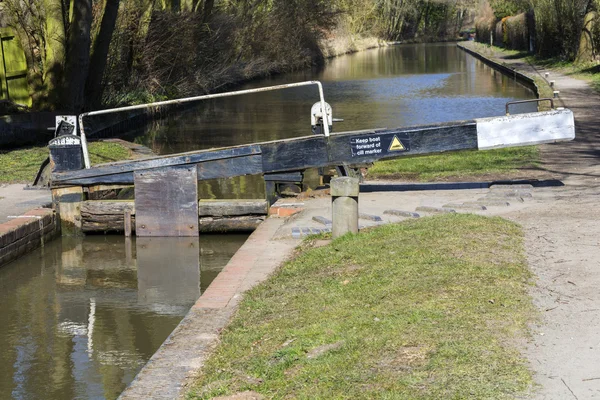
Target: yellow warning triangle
[{"x": 396, "y": 145}]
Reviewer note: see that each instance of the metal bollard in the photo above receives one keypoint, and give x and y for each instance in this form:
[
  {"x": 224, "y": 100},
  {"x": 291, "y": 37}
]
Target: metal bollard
[{"x": 344, "y": 197}]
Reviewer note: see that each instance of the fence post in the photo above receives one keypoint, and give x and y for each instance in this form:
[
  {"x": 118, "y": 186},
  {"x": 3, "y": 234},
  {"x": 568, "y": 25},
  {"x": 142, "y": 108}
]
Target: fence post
[{"x": 344, "y": 197}]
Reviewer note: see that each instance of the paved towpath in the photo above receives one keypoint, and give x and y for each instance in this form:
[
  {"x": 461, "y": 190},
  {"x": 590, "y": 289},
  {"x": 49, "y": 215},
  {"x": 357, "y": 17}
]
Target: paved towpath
[{"x": 15, "y": 199}]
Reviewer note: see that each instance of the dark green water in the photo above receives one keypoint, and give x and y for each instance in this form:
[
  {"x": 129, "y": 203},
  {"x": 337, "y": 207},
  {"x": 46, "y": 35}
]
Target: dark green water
[{"x": 79, "y": 318}]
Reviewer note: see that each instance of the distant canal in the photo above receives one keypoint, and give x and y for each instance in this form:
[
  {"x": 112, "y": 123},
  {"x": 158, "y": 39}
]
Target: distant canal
[{"x": 80, "y": 317}]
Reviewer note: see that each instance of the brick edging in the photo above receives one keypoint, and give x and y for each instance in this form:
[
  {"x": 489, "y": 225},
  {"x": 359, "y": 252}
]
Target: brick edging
[{"x": 27, "y": 232}]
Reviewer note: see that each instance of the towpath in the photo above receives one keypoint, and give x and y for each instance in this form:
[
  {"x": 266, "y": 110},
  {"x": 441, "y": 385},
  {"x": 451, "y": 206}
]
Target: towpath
[
  {"x": 15, "y": 199},
  {"x": 562, "y": 239}
]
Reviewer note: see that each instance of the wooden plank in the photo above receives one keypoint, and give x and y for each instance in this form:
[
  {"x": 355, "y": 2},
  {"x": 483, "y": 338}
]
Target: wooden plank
[
  {"x": 296, "y": 176},
  {"x": 225, "y": 168},
  {"x": 228, "y": 208},
  {"x": 166, "y": 202},
  {"x": 69, "y": 209},
  {"x": 106, "y": 215},
  {"x": 127, "y": 223},
  {"x": 379, "y": 144},
  {"x": 294, "y": 154},
  {"x": 158, "y": 162},
  {"x": 244, "y": 223},
  {"x": 125, "y": 178}
]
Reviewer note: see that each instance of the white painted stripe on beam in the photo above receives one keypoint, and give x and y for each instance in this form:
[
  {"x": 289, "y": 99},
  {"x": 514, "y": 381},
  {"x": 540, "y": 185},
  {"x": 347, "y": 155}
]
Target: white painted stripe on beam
[{"x": 525, "y": 129}]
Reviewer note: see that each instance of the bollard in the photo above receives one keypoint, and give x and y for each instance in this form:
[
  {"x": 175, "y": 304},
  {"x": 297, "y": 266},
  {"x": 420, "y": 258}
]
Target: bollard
[
  {"x": 547, "y": 74},
  {"x": 344, "y": 197},
  {"x": 556, "y": 93},
  {"x": 552, "y": 83}
]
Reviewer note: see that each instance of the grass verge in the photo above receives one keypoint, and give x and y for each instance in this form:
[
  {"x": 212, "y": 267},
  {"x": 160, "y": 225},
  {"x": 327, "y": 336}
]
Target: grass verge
[
  {"x": 503, "y": 163},
  {"x": 21, "y": 165},
  {"x": 425, "y": 309}
]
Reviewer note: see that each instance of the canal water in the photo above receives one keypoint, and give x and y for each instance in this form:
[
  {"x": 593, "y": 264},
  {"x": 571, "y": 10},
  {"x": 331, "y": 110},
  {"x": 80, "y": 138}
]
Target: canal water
[
  {"x": 80, "y": 317},
  {"x": 381, "y": 88}
]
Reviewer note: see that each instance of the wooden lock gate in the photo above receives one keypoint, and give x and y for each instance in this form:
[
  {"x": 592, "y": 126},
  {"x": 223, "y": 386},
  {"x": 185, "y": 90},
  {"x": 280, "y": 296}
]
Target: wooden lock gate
[{"x": 166, "y": 187}]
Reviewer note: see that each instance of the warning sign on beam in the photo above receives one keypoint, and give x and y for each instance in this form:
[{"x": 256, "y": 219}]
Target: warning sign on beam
[
  {"x": 377, "y": 145},
  {"x": 396, "y": 145}
]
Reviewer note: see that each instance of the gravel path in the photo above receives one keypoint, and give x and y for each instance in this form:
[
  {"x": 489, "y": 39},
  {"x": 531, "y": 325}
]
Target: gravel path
[{"x": 562, "y": 239}]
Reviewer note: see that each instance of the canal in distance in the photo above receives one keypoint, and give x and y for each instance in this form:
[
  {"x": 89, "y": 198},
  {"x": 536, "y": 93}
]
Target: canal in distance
[{"x": 80, "y": 317}]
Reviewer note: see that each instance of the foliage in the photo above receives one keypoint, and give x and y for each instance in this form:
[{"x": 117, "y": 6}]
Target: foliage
[
  {"x": 507, "y": 8},
  {"x": 425, "y": 309},
  {"x": 82, "y": 52}
]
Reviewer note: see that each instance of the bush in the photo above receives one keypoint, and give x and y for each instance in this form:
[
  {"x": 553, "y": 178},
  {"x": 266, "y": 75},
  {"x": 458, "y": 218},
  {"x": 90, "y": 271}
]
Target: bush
[{"x": 516, "y": 33}]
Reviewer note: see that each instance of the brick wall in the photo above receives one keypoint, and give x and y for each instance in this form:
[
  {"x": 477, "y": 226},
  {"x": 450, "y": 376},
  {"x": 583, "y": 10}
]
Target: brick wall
[{"x": 26, "y": 233}]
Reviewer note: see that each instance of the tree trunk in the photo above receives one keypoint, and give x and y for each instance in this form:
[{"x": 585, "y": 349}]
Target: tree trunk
[
  {"x": 93, "y": 87},
  {"x": 585, "y": 52},
  {"x": 55, "y": 41},
  {"x": 79, "y": 55},
  {"x": 207, "y": 11}
]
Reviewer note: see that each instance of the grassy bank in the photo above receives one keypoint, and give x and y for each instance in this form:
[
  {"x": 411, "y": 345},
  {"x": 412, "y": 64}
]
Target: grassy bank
[
  {"x": 501, "y": 163},
  {"x": 22, "y": 165},
  {"x": 424, "y": 309}
]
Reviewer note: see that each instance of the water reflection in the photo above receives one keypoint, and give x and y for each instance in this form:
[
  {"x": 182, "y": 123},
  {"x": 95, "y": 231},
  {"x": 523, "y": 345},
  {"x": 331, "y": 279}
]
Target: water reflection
[{"x": 80, "y": 317}]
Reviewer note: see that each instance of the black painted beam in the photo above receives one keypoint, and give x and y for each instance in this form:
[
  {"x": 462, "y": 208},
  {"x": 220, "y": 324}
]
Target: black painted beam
[{"x": 346, "y": 148}]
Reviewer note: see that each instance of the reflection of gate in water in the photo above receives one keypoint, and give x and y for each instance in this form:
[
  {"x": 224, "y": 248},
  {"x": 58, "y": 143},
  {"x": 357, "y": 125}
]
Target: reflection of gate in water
[{"x": 13, "y": 69}]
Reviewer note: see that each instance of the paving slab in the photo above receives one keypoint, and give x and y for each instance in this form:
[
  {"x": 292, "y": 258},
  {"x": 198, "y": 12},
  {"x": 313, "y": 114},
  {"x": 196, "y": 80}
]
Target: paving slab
[{"x": 15, "y": 199}]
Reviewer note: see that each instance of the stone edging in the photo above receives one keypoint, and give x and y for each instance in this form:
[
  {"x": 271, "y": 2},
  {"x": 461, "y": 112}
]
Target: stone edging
[
  {"x": 180, "y": 358},
  {"x": 519, "y": 76}
]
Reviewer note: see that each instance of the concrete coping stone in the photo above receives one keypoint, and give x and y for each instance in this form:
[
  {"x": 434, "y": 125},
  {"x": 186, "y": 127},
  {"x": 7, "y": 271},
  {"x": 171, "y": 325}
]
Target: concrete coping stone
[
  {"x": 435, "y": 209},
  {"x": 345, "y": 187},
  {"x": 401, "y": 213}
]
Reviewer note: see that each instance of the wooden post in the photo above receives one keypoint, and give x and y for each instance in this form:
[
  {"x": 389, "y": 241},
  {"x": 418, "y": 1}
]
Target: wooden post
[
  {"x": 68, "y": 205},
  {"x": 344, "y": 196}
]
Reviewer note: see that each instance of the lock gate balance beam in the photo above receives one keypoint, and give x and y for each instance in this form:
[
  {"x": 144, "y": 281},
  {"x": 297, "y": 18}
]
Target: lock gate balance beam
[{"x": 345, "y": 148}]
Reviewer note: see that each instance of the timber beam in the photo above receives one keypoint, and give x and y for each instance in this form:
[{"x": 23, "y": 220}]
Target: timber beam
[{"x": 343, "y": 148}]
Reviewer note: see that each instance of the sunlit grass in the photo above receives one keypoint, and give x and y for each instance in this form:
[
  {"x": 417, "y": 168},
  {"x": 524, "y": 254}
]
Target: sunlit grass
[
  {"x": 458, "y": 165},
  {"x": 22, "y": 165},
  {"x": 425, "y": 309}
]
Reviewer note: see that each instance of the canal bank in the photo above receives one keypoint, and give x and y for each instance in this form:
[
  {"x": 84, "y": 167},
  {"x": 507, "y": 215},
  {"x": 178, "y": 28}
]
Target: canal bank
[
  {"x": 449, "y": 70},
  {"x": 554, "y": 218},
  {"x": 180, "y": 359},
  {"x": 562, "y": 246}
]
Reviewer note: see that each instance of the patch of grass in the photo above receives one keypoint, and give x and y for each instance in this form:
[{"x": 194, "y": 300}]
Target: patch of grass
[
  {"x": 21, "y": 165},
  {"x": 464, "y": 164},
  {"x": 425, "y": 309}
]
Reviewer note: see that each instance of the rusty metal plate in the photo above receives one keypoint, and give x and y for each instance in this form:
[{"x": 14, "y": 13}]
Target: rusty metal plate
[{"x": 166, "y": 201}]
